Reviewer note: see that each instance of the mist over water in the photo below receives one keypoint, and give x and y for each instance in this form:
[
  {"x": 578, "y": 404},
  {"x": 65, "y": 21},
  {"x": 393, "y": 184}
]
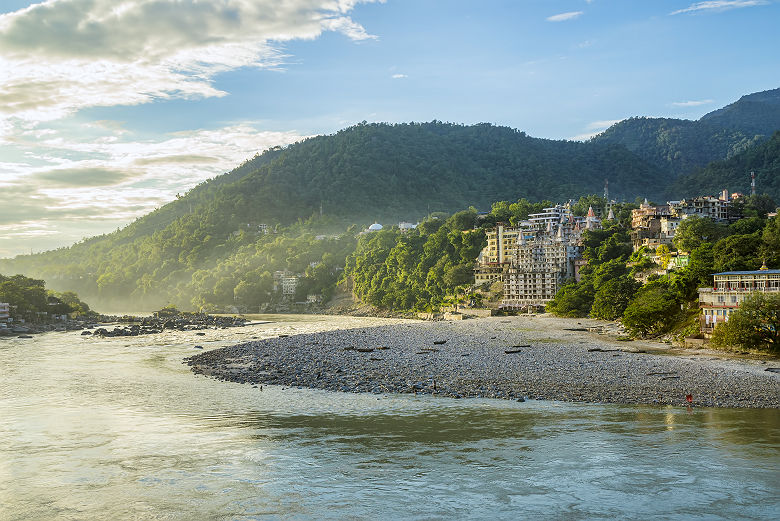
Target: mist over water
[{"x": 119, "y": 428}]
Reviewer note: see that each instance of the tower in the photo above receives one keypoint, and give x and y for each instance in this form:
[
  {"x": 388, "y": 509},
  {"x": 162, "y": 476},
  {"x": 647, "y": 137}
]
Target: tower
[{"x": 752, "y": 183}]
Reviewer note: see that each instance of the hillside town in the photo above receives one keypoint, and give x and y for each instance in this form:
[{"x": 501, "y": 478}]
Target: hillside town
[{"x": 533, "y": 259}]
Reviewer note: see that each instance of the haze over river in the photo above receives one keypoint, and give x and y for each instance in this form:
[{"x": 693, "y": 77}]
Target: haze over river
[{"x": 119, "y": 428}]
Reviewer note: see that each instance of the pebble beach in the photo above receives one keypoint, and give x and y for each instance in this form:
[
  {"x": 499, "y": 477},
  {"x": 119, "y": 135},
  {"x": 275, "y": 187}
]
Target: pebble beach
[{"x": 516, "y": 358}]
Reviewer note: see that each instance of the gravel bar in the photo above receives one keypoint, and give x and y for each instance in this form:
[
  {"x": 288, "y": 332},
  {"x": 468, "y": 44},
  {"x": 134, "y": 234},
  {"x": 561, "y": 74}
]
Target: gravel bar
[{"x": 495, "y": 357}]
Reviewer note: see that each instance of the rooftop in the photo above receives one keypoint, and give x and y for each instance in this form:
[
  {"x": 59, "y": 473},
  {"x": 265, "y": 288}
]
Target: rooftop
[{"x": 755, "y": 272}]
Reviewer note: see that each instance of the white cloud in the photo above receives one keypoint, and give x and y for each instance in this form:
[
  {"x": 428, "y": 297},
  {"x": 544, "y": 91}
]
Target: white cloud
[
  {"x": 562, "y": 17},
  {"x": 60, "y": 56},
  {"x": 602, "y": 124},
  {"x": 399, "y": 76},
  {"x": 719, "y": 5},
  {"x": 62, "y": 178},
  {"x": 584, "y": 136},
  {"x": 595, "y": 128},
  {"x": 92, "y": 184},
  {"x": 692, "y": 103}
]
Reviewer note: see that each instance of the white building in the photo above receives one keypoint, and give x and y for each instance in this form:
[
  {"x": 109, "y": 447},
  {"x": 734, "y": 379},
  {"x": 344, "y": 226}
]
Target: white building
[
  {"x": 289, "y": 285},
  {"x": 5, "y": 311},
  {"x": 729, "y": 289}
]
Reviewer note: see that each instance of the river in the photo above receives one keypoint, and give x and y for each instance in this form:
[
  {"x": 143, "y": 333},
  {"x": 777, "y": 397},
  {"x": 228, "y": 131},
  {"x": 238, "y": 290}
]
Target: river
[{"x": 119, "y": 428}]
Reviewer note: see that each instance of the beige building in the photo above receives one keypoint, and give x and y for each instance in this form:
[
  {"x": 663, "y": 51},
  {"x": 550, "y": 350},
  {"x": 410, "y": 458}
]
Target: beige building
[
  {"x": 541, "y": 263},
  {"x": 5, "y": 311},
  {"x": 534, "y": 259},
  {"x": 729, "y": 289},
  {"x": 494, "y": 259}
]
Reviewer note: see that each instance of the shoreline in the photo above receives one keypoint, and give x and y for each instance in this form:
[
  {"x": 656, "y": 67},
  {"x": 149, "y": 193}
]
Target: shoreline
[{"x": 549, "y": 358}]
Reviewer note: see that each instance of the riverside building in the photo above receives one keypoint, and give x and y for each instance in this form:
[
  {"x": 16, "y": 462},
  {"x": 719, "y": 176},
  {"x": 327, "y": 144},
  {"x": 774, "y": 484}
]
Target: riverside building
[
  {"x": 544, "y": 259},
  {"x": 534, "y": 259},
  {"x": 728, "y": 290}
]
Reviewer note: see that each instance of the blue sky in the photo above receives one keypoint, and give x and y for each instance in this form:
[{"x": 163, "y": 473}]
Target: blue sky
[{"x": 109, "y": 108}]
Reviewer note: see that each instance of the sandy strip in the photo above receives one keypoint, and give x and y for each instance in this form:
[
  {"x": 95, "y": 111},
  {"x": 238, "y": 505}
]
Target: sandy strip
[{"x": 550, "y": 359}]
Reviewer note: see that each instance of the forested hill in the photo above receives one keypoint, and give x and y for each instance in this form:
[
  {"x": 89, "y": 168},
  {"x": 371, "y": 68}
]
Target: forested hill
[
  {"x": 364, "y": 173},
  {"x": 680, "y": 146},
  {"x": 734, "y": 174},
  {"x": 757, "y": 113},
  {"x": 381, "y": 171}
]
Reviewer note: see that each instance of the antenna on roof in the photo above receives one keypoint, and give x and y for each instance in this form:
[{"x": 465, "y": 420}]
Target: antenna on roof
[{"x": 752, "y": 183}]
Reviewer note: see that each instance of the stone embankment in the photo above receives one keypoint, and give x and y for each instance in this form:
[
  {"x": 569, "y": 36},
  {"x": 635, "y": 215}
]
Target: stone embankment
[{"x": 511, "y": 358}]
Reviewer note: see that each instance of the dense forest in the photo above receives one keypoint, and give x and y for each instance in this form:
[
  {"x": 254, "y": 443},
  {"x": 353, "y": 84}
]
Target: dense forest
[
  {"x": 734, "y": 174},
  {"x": 679, "y": 146},
  {"x": 321, "y": 186}
]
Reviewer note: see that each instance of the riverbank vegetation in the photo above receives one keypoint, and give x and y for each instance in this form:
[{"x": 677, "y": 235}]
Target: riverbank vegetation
[
  {"x": 668, "y": 301},
  {"x": 31, "y": 301}
]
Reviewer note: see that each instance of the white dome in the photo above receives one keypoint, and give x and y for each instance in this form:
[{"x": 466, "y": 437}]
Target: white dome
[{"x": 375, "y": 227}]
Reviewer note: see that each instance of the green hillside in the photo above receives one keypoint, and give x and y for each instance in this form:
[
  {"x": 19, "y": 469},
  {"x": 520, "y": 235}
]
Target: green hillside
[
  {"x": 757, "y": 113},
  {"x": 358, "y": 175},
  {"x": 379, "y": 171},
  {"x": 734, "y": 174},
  {"x": 680, "y": 146}
]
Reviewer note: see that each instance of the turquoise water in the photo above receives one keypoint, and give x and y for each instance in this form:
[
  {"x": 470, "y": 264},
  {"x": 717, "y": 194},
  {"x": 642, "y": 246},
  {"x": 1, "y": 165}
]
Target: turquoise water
[{"x": 120, "y": 429}]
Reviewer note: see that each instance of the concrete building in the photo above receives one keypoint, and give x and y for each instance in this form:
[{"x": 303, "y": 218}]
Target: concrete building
[
  {"x": 729, "y": 289},
  {"x": 549, "y": 216},
  {"x": 541, "y": 263},
  {"x": 718, "y": 209},
  {"x": 493, "y": 260},
  {"x": 5, "y": 311},
  {"x": 535, "y": 257},
  {"x": 289, "y": 285},
  {"x": 652, "y": 226}
]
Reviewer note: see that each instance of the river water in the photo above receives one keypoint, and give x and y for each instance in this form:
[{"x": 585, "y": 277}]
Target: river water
[{"x": 119, "y": 428}]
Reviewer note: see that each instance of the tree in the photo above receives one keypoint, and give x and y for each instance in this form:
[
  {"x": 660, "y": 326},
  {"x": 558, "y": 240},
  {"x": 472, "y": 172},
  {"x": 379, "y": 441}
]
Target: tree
[
  {"x": 664, "y": 255},
  {"x": 737, "y": 252},
  {"x": 755, "y": 325},
  {"x": 613, "y": 297},
  {"x": 770, "y": 249},
  {"x": 572, "y": 300},
  {"x": 695, "y": 231},
  {"x": 653, "y": 310}
]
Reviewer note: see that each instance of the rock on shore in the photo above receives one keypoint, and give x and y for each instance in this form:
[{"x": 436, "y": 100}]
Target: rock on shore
[{"x": 488, "y": 358}]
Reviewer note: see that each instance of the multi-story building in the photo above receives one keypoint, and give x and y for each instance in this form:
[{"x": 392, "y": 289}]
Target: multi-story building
[
  {"x": 647, "y": 213},
  {"x": 718, "y": 209},
  {"x": 552, "y": 216},
  {"x": 535, "y": 258},
  {"x": 5, "y": 311},
  {"x": 493, "y": 260},
  {"x": 729, "y": 289},
  {"x": 541, "y": 263},
  {"x": 289, "y": 285},
  {"x": 652, "y": 226}
]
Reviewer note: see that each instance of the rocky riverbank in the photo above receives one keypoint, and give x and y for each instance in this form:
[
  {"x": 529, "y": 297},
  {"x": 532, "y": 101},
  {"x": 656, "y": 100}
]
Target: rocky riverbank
[
  {"x": 500, "y": 357},
  {"x": 127, "y": 325},
  {"x": 134, "y": 326}
]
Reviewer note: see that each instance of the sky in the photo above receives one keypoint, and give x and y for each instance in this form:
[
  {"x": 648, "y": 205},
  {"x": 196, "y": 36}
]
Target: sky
[{"x": 110, "y": 108}]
